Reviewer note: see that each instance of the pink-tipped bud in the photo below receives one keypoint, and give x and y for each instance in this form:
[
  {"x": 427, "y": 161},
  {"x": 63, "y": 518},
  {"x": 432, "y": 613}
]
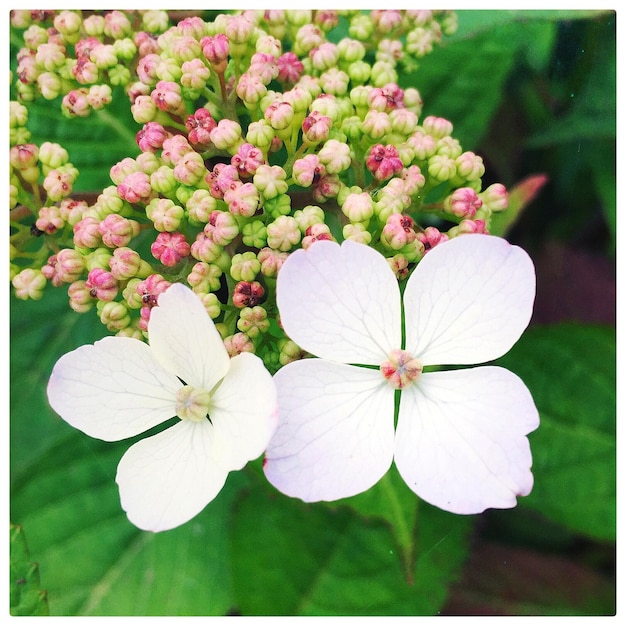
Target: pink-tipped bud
[
  {"x": 102, "y": 284},
  {"x": 463, "y": 203},
  {"x": 200, "y": 125},
  {"x": 170, "y": 248},
  {"x": 247, "y": 293},
  {"x": 383, "y": 161}
]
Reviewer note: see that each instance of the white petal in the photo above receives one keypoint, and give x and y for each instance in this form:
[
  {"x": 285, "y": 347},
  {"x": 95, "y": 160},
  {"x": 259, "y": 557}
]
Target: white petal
[
  {"x": 113, "y": 389},
  {"x": 340, "y": 303},
  {"x": 243, "y": 411},
  {"x": 468, "y": 301},
  {"x": 335, "y": 431},
  {"x": 168, "y": 478},
  {"x": 184, "y": 338},
  {"x": 461, "y": 438}
]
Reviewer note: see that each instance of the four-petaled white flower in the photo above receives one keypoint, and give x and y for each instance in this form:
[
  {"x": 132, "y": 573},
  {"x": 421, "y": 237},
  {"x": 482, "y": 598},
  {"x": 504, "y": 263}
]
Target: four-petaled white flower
[
  {"x": 120, "y": 387},
  {"x": 460, "y": 441}
]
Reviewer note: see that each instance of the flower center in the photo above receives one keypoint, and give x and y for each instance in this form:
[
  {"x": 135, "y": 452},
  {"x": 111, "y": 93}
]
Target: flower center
[
  {"x": 401, "y": 368},
  {"x": 192, "y": 404}
]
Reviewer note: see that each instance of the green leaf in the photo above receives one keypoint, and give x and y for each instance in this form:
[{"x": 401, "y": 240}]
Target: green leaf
[
  {"x": 41, "y": 331},
  {"x": 469, "y": 96},
  {"x": 27, "y": 597},
  {"x": 314, "y": 560},
  {"x": 63, "y": 493},
  {"x": 94, "y": 562},
  {"x": 592, "y": 114},
  {"x": 570, "y": 371}
]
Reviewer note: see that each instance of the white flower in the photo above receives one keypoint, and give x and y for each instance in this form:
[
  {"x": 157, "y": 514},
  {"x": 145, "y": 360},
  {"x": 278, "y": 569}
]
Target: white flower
[
  {"x": 460, "y": 441},
  {"x": 120, "y": 387}
]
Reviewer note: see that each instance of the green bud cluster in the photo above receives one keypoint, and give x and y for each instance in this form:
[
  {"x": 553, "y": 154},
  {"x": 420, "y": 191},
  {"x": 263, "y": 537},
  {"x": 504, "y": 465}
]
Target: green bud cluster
[{"x": 260, "y": 132}]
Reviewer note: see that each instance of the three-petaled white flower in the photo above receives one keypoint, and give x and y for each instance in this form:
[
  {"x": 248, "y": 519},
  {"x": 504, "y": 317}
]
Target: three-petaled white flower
[
  {"x": 460, "y": 441},
  {"x": 120, "y": 387}
]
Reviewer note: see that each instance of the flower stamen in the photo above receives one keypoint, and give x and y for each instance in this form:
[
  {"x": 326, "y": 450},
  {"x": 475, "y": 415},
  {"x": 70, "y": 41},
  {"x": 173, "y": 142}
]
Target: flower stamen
[{"x": 401, "y": 369}]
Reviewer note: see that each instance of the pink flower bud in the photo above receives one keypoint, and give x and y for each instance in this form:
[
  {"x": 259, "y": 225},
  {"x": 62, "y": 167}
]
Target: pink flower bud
[
  {"x": 222, "y": 227},
  {"x": 283, "y": 233},
  {"x": 358, "y": 207},
  {"x": 327, "y": 187},
  {"x": 80, "y": 297},
  {"x": 167, "y": 97},
  {"x": 205, "y": 277},
  {"x": 308, "y": 170},
  {"x": 398, "y": 231},
  {"x": 146, "y": 43},
  {"x": 239, "y": 29},
  {"x": 470, "y": 166},
  {"x": 70, "y": 264},
  {"x": 431, "y": 237},
  {"x": 226, "y": 134},
  {"x": 165, "y": 214},
  {"x": 29, "y": 284},
  {"x": 495, "y": 197},
  {"x": 71, "y": 211},
  {"x": 117, "y": 25},
  {"x": 76, "y": 104},
  {"x": 49, "y": 220},
  {"x": 135, "y": 188},
  {"x": 125, "y": 263},
  {"x": 190, "y": 169},
  {"x": 263, "y": 66},
  {"x": 49, "y": 271},
  {"x": 335, "y": 156},
  {"x": 170, "y": 248},
  {"x": 24, "y": 156},
  {"x": 122, "y": 169},
  {"x": 242, "y": 199},
  {"x": 251, "y": 89},
  {"x": 143, "y": 108},
  {"x": 383, "y": 161},
  {"x": 205, "y": 249},
  {"x": 117, "y": 231},
  {"x": 247, "y": 293},
  {"x": 151, "y": 137},
  {"x": 316, "y": 232},
  {"x": 216, "y": 50},
  {"x": 221, "y": 179},
  {"x": 238, "y": 343},
  {"x": 279, "y": 115},
  {"x": 200, "y": 125},
  {"x": 469, "y": 227},
  {"x": 147, "y": 68},
  {"x": 386, "y": 20},
  {"x": 290, "y": 68},
  {"x": 463, "y": 202},
  {"x": 247, "y": 160},
  {"x": 386, "y": 98},
  {"x": 271, "y": 261},
  {"x": 101, "y": 284},
  {"x": 437, "y": 127},
  {"x": 150, "y": 289},
  {"x": 174, "y": 148},
  {"x": 316, "y": 127},
  {"x": 87, "y": 233},
  {"x": 413, "y": 179}
]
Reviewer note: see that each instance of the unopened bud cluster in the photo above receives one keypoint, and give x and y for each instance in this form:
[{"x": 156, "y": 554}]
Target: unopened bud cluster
[{"x": 258, "y": 132}]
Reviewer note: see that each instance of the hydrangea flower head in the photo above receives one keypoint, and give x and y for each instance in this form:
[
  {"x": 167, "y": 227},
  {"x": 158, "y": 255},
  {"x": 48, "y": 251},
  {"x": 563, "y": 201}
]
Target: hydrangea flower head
[
  {"x": 460, "y": 440},
  {"x": 120, "y": 387}
]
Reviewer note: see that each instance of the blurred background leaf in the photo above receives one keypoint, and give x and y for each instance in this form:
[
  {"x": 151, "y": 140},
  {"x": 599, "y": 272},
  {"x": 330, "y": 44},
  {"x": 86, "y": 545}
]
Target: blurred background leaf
[{"x": 330, "y": 561}]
